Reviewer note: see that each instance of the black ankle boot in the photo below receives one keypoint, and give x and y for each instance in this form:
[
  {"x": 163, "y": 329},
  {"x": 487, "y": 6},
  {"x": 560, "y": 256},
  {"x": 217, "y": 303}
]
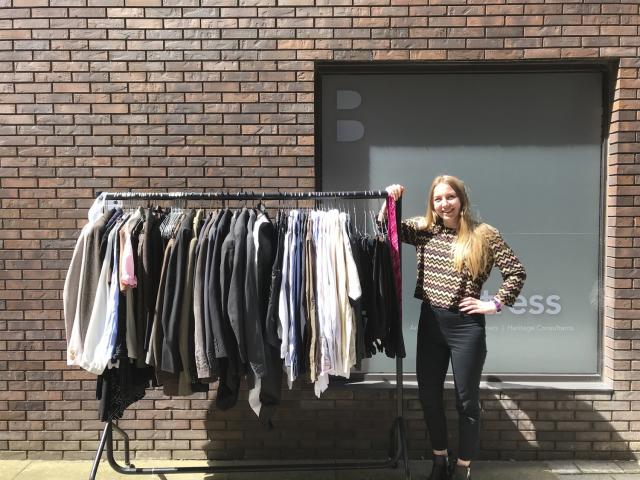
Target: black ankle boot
[
  {"x": 460, "y": 472},
  {"x": 441, "y": 468}
]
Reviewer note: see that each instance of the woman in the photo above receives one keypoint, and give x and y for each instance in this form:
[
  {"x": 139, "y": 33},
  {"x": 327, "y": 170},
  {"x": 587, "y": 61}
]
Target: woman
[{"x": 455, "y": 256}]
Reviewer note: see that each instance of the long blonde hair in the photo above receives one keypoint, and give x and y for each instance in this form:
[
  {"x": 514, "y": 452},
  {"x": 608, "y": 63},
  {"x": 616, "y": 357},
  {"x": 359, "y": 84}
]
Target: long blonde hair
[{"x": 471, "y": 247}]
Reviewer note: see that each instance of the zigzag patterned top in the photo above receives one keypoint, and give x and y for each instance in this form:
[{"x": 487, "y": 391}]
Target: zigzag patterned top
[{"x": 440, "y": 284}]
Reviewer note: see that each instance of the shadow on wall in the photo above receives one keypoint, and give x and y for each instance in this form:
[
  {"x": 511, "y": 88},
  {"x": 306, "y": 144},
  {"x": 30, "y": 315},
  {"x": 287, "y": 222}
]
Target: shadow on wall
[
  {"x": 351, "y": 423},
  {"x": 345, "y": 423},
  {"x": 555, "y": 424},
  {"x": 534, "y": 424}
]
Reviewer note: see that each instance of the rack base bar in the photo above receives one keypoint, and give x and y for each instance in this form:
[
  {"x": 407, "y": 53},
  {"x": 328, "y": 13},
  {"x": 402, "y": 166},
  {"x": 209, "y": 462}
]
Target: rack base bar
[{"x": 398, "y": 434}]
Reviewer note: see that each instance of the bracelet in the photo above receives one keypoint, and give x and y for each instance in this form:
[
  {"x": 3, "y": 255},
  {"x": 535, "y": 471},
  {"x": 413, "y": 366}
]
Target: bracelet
[{"x": 497, "y": 303}]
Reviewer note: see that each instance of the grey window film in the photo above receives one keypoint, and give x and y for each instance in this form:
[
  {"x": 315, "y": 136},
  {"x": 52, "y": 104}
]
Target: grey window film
[{"x": 529, "y": 148}]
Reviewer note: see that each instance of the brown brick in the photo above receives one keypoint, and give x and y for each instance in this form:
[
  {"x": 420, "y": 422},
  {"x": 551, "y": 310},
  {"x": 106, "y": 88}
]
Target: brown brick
[
  {"x": 580, "y": 30},
  {"x": 26, "y": 406},
  {"x": 62, "y": 445},
  {"x": 486, "y": 21},
  {"x": 428, "y": 54},
  {"x": 524, "y": 20},
  {"x": 578, "y": 52}
]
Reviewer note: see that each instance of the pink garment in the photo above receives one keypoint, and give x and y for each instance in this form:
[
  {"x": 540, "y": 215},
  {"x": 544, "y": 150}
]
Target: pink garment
[
  {"x": 395, "y": 248},
  {"x": 128, "y": 274}
]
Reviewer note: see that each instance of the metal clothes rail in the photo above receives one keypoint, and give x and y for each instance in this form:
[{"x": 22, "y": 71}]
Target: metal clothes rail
[
  {"x": 354, "y": 195},
  {"x": 398, "y": 450}
]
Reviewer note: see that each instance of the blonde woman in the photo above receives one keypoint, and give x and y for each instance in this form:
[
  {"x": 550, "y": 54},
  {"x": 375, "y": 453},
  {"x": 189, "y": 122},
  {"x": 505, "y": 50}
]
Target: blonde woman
[{"x": 455, "y": 256}]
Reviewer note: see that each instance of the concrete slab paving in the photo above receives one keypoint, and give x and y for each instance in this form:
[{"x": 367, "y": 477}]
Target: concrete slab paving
[
  {"x": 596, "y": 466},
  {"x": 563, "y": 467},
  {"x": 512, "y": 471},
  {"x": 371, "y": 475},
  {"x": 11, "y": 468},
  {"x": 72, "y": 470},
  {"x": 629, "y": 466},
  {"x": 587, "y": 476},
  {"x": 482, "y": 470},
  {"x": 41, "y": 470},
  {"x": 322, "y": 475}
]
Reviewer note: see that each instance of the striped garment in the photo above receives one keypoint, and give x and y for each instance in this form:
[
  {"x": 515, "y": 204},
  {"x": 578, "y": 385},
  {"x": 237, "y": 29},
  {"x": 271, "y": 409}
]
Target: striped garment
[{"x": 438, "y": 281}]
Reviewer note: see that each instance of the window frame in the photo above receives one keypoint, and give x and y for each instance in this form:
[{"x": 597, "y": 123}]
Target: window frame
[{"x": 608, "y": 69}]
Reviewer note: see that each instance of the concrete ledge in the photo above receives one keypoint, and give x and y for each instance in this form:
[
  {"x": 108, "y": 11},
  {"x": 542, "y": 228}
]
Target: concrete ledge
[
  {"x": 583, "y": 386},
  {"x": 547, "y": 385}
]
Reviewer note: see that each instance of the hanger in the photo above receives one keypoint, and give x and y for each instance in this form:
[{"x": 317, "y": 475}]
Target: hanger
[
  {"x": 141, "y": 211},
  {"x": 126, "y": 205},
  {"x": 354, "y": 223},
  {"x": 170, "y": 222},
  {"x": 164, "y": 225},
  {"x": 374, "y": 224},
  {"x": 261, "y": 207}
]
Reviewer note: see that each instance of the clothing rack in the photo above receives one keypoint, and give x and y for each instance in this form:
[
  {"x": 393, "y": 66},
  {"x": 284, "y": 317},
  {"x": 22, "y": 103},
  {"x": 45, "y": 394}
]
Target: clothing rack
[{"x": 398, "y": 449}]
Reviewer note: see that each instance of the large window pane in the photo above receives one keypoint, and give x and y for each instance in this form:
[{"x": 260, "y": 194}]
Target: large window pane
[{"x": 528, "y": 146}]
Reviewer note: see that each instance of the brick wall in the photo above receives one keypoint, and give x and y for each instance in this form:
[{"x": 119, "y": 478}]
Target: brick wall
[{"x": 188, "y": 94}]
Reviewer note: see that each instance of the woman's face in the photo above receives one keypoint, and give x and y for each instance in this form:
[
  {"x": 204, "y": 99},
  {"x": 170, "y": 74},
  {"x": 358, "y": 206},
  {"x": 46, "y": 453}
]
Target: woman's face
[{"x": 446, "y": 203}]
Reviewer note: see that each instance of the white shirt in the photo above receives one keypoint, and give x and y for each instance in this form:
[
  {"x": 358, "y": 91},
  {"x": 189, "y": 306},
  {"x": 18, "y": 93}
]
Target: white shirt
[
  {"x": 293, "y": 218},
  {"x": 254, "y": 393},
  {"x": 326, "y": 302},
  {"x": 283, "y": 301},
  {"x": 97, "y": 344}
]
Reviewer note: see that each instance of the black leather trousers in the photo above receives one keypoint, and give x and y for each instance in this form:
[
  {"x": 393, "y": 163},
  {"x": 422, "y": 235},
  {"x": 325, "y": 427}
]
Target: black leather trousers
[{"x": 445, "y": 335}]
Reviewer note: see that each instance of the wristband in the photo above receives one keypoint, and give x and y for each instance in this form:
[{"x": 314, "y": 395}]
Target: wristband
[{"x": 497, "y": 303}]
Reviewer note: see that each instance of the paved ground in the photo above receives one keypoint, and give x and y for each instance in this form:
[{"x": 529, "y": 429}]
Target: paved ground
[{"x": 560, "y": 470}]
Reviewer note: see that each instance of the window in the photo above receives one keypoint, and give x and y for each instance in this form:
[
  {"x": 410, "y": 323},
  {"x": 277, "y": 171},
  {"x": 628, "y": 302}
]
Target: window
[{"x": 529, "y": 147}]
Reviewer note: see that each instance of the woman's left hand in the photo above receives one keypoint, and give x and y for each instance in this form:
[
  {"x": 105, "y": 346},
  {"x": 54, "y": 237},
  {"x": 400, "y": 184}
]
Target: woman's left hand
[{"x": 473, "y": 305}]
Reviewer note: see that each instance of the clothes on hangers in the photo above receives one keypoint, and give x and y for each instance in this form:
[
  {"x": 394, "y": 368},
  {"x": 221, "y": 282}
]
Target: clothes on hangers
[
  {"x": 151, "y": 248},
  {"x": 81, "y": 282},
  {"x": 183, "y": 299},
  {"x": 200, "y": 300},
  {"x": 99, "y": 343}
]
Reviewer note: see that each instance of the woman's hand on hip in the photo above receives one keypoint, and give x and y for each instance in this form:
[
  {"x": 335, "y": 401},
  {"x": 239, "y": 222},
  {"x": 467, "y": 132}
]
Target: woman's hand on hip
[
  {"x": 472, "y": 305},
  {"x": 395, "y": 191}
]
